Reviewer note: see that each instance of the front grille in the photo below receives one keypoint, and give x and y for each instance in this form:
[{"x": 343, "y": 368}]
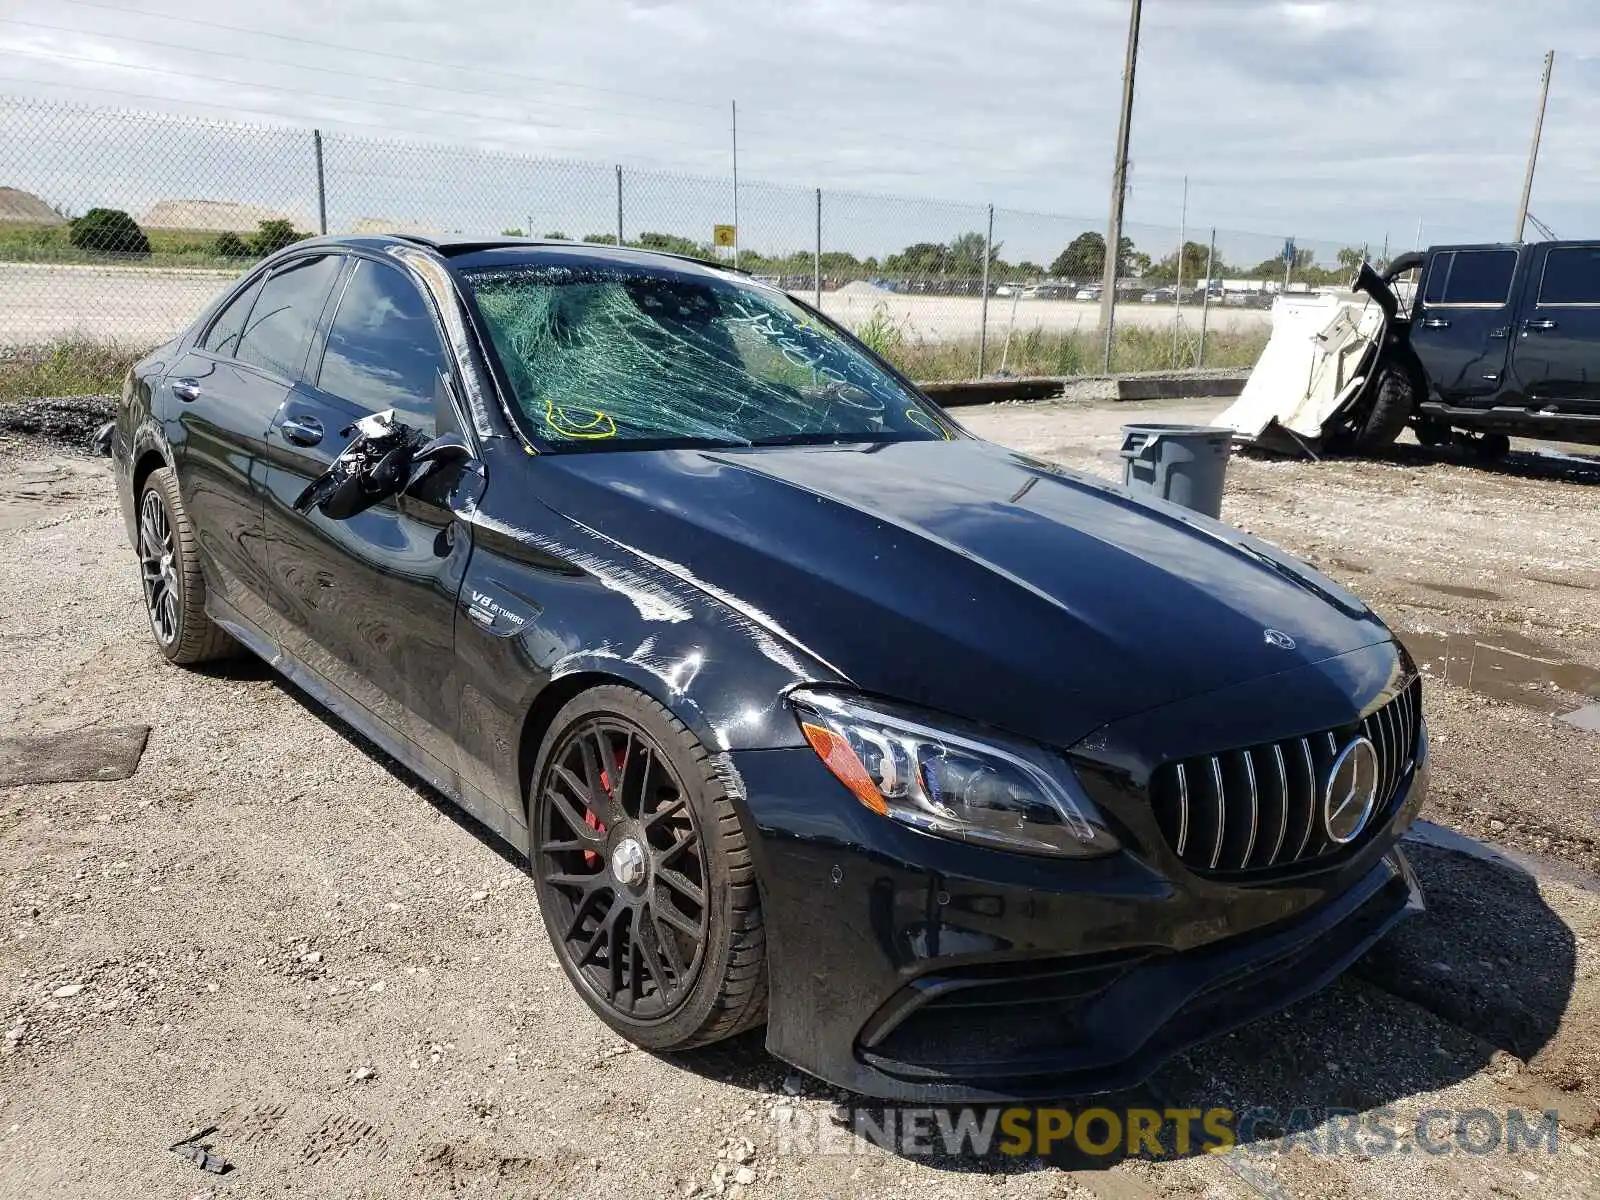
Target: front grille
[{"x": 1261, "y": 808}]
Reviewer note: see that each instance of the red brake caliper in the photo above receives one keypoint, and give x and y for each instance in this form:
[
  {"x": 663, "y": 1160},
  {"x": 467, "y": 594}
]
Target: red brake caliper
[{"x": 590, "y": 858}]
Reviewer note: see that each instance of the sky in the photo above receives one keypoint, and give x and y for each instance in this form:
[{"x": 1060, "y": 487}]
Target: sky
[{"x": 1334, "y": 121}]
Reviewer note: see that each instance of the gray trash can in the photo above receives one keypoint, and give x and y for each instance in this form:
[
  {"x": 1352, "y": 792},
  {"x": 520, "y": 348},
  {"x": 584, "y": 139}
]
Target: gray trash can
[{"x": 1185, "y": 464}]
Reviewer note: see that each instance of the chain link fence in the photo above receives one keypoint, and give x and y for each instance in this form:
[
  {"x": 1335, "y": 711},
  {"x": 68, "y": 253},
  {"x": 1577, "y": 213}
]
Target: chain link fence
[{"x": 117, "y": 227}]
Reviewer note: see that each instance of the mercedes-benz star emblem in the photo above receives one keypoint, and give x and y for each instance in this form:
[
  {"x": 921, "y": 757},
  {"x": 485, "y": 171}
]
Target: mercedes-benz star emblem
[
  {"x": 1352, "y": 792},
  {"x": 1276, "y": 637}
]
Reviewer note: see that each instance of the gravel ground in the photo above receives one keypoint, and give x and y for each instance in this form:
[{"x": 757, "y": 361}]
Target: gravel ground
[{"x": 272, "y": 932}]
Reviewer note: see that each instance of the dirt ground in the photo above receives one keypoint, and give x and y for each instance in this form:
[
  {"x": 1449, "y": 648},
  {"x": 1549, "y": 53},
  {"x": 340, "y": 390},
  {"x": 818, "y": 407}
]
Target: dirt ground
[{"x": 272, "y": 933}]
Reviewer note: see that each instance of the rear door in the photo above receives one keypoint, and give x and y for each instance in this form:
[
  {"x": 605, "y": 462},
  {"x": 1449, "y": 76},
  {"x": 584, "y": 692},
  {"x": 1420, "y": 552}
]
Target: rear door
[
  {"x": 369, "y": 602},
  {"x": 1557, "y": 356},
  {"x": 1463, "y": 322},
  {"x": 226, "y": 388}
]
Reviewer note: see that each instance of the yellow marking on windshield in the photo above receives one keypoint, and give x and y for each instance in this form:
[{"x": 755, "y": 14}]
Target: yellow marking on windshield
[
  {"x": 565, "y": 422},
  {"x": 923, "y": 421}
]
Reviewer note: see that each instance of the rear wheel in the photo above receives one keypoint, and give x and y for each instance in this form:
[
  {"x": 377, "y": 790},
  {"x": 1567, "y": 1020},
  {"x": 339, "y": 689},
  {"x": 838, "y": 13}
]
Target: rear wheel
[
  {"x": 174, "y": 587},
  {"x": 1393, "y": 400},
  {"x": 645, "y": 881}
]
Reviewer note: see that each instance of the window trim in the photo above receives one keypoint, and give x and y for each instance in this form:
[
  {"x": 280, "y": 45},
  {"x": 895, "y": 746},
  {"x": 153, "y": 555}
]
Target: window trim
[
  {"x": 255, "y": 278},
  {"x": 445, "y": 417},
  {"x": 1485, "y": 305},
  {"x": 1544, "y": 267},
  {"x": 269, "y": 271}
]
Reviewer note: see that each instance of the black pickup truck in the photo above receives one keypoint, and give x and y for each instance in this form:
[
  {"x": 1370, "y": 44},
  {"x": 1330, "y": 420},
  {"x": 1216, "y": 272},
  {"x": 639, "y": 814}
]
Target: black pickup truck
[{"x": 1500, "y": 341}]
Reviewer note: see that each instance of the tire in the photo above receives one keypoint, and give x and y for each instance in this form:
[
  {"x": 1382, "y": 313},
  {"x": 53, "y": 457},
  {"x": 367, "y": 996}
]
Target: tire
[
  {"x": 171, "y": 581},
  {"x": 1393, "y": 400},
  {"x": 617, "y": 871}
]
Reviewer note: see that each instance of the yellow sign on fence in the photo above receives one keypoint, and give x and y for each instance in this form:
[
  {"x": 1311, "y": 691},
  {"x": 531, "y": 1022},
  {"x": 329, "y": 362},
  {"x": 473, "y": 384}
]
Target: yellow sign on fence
[{"x": 723, "y": 235}]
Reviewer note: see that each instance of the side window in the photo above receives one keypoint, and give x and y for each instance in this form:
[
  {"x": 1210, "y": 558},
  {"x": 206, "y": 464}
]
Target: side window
[
  {"x": 1438, "y": 274},
  {"x": 383, "y": 349},
  {"x": 1571, "y": 276},
  {"x": 286, "y": 314},
  {"x": 223, "y": 336},
  {"x": 1480, "y": 277}
]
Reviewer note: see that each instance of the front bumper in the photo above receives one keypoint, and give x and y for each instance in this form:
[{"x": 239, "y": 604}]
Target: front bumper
[{"x": 907, "y": 967}]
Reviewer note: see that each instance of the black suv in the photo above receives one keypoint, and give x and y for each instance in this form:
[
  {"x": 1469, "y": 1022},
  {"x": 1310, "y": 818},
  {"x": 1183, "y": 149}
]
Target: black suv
[{"x": 1501, "y": 340}]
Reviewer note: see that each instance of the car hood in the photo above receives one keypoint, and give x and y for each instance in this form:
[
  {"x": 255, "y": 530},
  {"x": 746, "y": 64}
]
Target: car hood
[{"x": 965, "y": 577}]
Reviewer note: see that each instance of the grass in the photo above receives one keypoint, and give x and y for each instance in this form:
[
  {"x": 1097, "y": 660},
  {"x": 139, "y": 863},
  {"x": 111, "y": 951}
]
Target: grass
[
  {"x": 25, "y": 243},
  {"x": 64, "y": 368},
  {"x": 1038, "y": 352}
]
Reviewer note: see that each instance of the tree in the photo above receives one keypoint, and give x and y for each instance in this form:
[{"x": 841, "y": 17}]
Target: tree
[
  {"x": 557, "y": 236},
  {"x": 109, "y": 231},
  {"x": 600, "y": 239},
  {"x": 1195, "y": 256},
  {"x": 273, "y": 236},
  {"x": 1351, "y": 259},
  {"x": 965, "y": 254},
  {"x": 671, "y": 243},
  {"x": 922, "y": 258},
  {"x": 230, "y": 245},
  {"x": 511, "y": 233},
  {"x": 1085, "y": 258}
]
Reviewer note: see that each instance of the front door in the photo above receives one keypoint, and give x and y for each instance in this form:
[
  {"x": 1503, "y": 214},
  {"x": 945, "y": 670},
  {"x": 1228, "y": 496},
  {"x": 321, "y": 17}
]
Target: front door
[
  {"x": 1557, "y": 356},
  {"x": 1462, "y": 327},
  {"x": 369, "y": 602}
]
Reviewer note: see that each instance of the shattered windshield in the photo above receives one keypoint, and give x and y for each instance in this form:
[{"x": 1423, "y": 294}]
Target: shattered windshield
[{"x": 608, "y": 358}]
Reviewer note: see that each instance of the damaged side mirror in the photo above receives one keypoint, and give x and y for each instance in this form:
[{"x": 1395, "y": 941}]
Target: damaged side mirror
[{"x": 374, "y": 466}]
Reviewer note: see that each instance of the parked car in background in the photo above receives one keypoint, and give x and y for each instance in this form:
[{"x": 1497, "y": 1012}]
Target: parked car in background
[
  {"x": 968, "y": 776},
  {"x": 1160, "y": 295},
  {"x": 1048, "y": 291},
  {"x": 1093, "y": 292}
]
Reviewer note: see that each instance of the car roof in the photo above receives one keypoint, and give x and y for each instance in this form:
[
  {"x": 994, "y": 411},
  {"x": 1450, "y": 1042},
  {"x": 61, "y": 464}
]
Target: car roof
[{"x": 462, "y": 251}]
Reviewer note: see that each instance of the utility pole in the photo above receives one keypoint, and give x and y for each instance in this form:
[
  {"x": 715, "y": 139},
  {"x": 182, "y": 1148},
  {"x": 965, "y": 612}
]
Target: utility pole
[
  {"x": 1177, "y": 289},
  {"x": 1119, "y": 188},
  {"x": 983, "y": 318},
  {"x": 735, "y": 104},
  {"x": 1205, "y": 298},
  {"x": 1533, "y": 152}
]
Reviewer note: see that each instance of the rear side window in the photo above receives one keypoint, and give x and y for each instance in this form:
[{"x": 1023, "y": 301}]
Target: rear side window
[
  {"x": 383, "y": 350},
  {"x": 223, "y": 336},
  {"x": 286, "y": 313},
  {"x": 1472, "y": 277},
  {"x": 1571, "y": 276}
]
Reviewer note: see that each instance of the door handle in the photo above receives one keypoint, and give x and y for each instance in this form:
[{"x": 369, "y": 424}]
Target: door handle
[
  {"x": 1435, "y": 323},
  {"x": 185, "y": 389},
  {"x": 1538, "y": 324},
  {"x": 307, "y": 431},
  {"x": 1504, "y": 331}
]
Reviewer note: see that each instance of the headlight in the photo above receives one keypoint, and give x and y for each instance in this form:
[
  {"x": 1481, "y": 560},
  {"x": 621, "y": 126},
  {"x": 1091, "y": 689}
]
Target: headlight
[{"x": 951, "y": 779}]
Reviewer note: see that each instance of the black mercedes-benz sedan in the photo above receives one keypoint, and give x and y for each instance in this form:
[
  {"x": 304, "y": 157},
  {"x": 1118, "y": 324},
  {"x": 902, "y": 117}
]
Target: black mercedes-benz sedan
[{"x": 968, "y": 776}]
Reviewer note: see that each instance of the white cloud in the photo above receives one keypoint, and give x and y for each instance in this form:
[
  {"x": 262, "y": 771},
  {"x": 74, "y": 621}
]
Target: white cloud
[{"x": 1343, "y": 121}]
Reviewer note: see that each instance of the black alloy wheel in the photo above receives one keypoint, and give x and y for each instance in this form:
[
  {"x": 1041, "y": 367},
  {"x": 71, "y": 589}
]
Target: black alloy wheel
[
  {"x": 619, "y": 848},
  {"x": 645, "y": 882}
]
